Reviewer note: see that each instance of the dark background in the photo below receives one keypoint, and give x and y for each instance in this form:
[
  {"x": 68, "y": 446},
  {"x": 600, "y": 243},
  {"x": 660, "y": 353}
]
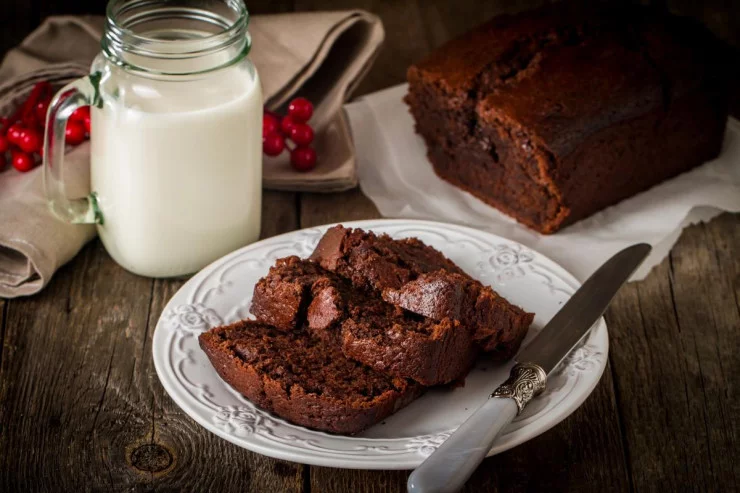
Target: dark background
[{"x": 400, "y": 17}]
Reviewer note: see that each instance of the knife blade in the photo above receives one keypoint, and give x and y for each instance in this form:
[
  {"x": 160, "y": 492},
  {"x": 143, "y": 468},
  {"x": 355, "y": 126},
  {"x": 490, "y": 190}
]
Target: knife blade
[
  {"x": 447, "y": 469},
  {"x": 583, "y": 309}
]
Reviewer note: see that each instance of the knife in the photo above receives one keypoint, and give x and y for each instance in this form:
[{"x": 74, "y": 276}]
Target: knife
[{"x": 447, "y": 469}]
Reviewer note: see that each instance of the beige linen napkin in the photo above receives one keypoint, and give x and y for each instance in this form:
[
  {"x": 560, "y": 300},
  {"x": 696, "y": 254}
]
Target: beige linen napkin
[{"x": 320, "y": 55}]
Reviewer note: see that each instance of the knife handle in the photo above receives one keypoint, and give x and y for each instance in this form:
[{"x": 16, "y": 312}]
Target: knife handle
[{"x": 447, "y": 469}]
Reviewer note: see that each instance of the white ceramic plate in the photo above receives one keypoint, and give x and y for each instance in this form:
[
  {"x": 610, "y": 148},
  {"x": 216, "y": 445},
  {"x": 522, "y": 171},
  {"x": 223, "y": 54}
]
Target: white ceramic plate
[{"x": 221, "y": 293}]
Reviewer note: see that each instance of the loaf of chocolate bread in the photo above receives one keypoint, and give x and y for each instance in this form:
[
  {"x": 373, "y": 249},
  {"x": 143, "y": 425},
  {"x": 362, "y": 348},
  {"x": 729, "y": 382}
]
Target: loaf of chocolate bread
[{"x": 554, "y": 114}]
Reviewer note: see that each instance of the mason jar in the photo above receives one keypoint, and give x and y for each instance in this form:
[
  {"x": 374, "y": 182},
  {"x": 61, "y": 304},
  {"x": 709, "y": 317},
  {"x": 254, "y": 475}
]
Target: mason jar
[{"x": 175, "y": 137}]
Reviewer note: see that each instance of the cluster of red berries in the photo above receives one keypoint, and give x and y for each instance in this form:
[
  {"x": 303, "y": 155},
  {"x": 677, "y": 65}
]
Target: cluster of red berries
[
  {"x": 277, "y": 131},
  {"x": 22, "y": 134}
]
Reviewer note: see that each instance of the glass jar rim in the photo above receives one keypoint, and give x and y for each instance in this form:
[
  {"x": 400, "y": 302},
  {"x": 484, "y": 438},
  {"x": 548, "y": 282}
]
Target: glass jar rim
[{"x": 121, "y": 39}]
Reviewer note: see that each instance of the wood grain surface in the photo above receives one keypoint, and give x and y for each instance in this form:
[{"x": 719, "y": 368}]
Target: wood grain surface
[{"x": 81, "y": 408}]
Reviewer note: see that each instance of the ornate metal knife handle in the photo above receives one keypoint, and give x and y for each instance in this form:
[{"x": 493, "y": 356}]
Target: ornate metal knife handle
[{"x": 525, "y": 381}]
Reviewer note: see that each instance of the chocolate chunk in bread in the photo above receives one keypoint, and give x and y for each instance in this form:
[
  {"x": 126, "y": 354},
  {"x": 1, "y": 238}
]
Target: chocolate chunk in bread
[{"x": 281, "y": 297}]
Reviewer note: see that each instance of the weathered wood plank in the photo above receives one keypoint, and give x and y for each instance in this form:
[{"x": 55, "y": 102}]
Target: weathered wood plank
[
  {"x": 674, "y": 336},
  {"x": 202, "y": 461},
  {"x": 78, "y": 387},
  {"x": 318, "y": 208},
  {"x": 709, "y": 335},
  {"x": 67, "y": 391},
  {"x": 3, "y": 306}
]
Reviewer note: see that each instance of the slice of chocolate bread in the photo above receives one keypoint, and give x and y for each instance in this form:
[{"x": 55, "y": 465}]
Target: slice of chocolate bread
[
  {"x": 368, "y": 329},
  {"x": 388, "y": 338},
  {"x": 420, "y": 279},
  {"x": 499, "y": 327},
  {"x": 303, "y": 379},
  {"x": 377, "y": 261}
]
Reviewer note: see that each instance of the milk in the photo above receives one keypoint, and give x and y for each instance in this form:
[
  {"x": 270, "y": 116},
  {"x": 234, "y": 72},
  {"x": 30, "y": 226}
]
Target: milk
[{"x": 177, "y": 168}]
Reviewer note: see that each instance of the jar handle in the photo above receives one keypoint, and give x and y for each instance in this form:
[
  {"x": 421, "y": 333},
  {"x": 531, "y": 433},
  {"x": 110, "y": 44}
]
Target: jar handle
[{"x": 81, "y": 92}]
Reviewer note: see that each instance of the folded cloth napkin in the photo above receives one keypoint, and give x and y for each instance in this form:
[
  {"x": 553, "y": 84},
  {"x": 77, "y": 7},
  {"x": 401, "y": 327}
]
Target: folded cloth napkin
[
  {"x": 319, "y": 55},
  {"x": 395, "y": 174}
]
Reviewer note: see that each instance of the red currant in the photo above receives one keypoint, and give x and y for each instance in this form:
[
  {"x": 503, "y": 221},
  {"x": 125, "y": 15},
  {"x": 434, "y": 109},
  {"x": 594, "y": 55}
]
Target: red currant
[
  {"x": 30, "y": 141},
  {"x": 29, "y": 120},
  {"x": 22, "y": 161},
  {"x": 4, "y": 144},
  {"x": 270, "y": 125},
  {"x": 301, "y": 134},
  {"x": 41, "y": 108},
  {"x": 300, "y": 109},
  {"x": 74, "y": 134},
  {"x": 14, "y": 133},
  {"x": 273, "y": 144},
  {"x": 80, "y": 114},
  {"x": 3, "y": 162},
  {"x": 88, "y": 123},
  {"x": 286, "y": 124},
  {"x": 303, "y": 158}
]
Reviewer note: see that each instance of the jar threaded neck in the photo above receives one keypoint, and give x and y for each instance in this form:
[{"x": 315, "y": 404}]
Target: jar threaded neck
[{"x": 164, "y": 37}]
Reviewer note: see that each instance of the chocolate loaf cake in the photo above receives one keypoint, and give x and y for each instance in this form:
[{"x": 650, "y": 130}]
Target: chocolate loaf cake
[
  {"x": 369, "y": 330},
  {"x": 554, "y": 114},
  {"x": 418, "y": 278},
  {"x": 303, "y": 379}
]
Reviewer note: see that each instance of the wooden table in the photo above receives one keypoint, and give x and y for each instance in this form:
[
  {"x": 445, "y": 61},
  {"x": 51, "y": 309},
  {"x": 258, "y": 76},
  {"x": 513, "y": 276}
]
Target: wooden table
[{"x": 81, "y": 407}]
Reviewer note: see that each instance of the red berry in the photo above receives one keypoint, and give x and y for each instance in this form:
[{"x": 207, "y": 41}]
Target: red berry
[
  {"x": 88, "y": 123},
  {"x": 273, "y": 144},
  {"x": 30, "y": 141},
  {"x": 4, "y": 144},
  {"x": 74, "y": 134},
  {"x": 300, "y": 109},
  {"x": 303, "y": 158},
  {"x": 3, "y": 161},
  {"x": 14, "y": 133},
  {"x": 286, "y": 124},
  {"x": 22, "y": 161},
  {"x": 80, "y": 114},
  {"x": 270, "y": 125},
  {"x": 301, "y": 134},
  {"x": 41, "y": 109},
  {"x": 29, "y": 120}
]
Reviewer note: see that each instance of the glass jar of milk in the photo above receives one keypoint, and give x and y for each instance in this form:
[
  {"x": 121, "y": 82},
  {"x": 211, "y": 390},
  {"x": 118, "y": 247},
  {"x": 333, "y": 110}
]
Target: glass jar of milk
[{"x": 176, "y": 138}]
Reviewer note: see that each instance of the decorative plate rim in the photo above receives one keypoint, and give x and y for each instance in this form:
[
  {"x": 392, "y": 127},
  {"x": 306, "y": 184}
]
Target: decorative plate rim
[{"x": 368, "y": 453}]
